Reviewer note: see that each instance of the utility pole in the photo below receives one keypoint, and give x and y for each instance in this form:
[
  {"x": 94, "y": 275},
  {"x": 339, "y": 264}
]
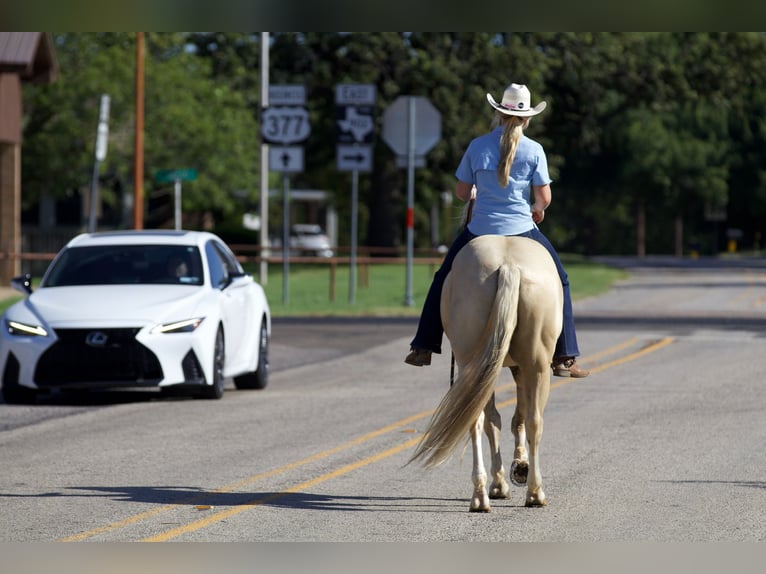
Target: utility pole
[
  {"x": 264, "y": 231},
  {"x": 138, "y": 167}
]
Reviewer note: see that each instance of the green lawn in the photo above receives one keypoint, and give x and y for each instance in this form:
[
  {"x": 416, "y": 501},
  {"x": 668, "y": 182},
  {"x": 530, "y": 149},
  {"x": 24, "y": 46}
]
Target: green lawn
[
  {"x": 381, "y": 288},
  {"x": 309, "y": 288}
]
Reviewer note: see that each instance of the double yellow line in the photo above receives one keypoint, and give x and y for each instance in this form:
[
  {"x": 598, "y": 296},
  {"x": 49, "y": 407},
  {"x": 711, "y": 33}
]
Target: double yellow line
[{"x": 228, "y": 513}]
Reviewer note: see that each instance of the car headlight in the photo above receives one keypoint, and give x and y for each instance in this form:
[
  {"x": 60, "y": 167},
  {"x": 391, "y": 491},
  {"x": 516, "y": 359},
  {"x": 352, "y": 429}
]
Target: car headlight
[
  {"x": 24, "y": 330},
  {"x": 185, "y": 326}
]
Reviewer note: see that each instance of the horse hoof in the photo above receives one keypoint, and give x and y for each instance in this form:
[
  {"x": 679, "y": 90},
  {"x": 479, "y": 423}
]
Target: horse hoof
[
  {"x": 500, "y": 492},
  {"x": 484, "y": 510},
  {"x": 519, "y": 472},
  {"x": 535, "y": 501}
]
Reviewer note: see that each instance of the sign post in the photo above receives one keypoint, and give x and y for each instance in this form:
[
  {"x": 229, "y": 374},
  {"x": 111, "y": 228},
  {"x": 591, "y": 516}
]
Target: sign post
[
  {"x": 100, "y": 154},
  {"x": 286, "y": 123},
  {"x": 355, "y": 105},
  {"x": 176, "y": 176},
  {"x": 411, "y": 127}
]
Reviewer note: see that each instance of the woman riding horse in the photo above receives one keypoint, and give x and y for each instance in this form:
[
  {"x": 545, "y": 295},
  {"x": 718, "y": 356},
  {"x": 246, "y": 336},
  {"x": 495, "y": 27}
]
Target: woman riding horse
[{"x": 501, "y": 167}]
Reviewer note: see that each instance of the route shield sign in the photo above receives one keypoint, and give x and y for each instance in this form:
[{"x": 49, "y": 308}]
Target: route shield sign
[
  {"x": 285, "y": 125},
  {"x": 355, "y": 109}
]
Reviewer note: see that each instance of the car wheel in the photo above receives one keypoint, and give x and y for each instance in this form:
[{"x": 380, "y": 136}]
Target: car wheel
[
  {"x": 258, "y": 379},
  {"x": 13, "y": 392},
  {"x": 215, "y": 391},
  {"x": 17, "y": 395}
]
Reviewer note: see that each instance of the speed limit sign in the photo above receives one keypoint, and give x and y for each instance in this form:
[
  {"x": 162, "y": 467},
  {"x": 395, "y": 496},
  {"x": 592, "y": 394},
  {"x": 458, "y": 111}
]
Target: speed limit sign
[{"x": 285, "y": 124}]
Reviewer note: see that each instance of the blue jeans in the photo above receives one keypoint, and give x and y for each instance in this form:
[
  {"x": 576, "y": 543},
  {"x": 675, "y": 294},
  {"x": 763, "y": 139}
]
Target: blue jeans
[{"x": 430, "y": 330}]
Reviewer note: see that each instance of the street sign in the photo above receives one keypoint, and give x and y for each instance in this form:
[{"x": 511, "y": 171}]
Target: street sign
[
  {"x": 354, "y": 158},
  {"x": 355, "y": 94},
  {"x": 355, "y": 124},
  {"x": 285, "y": 125},
  {"x": 396, "y": 128},
  {"x": 355, "y": 110},
  {"x": 287, "y": 95},
  {"x": 170, "y": 175},
  {"x": 287, "y": 159}
]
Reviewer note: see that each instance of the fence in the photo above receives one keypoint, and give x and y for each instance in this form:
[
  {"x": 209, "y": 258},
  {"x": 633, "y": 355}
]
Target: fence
[{"x": 35, "y": 263}]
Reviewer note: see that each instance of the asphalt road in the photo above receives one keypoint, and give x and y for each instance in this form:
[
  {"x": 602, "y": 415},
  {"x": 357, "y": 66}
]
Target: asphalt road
[{"x": 664, "y": 441}]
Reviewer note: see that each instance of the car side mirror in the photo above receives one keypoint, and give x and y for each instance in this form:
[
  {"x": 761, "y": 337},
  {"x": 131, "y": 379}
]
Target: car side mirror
[{"x": 23, "y": 283}]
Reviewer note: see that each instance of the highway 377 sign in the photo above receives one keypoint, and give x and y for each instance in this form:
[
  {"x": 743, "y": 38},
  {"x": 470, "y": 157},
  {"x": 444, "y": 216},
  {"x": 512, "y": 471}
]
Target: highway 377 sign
[{"x": 285, "y": 122}]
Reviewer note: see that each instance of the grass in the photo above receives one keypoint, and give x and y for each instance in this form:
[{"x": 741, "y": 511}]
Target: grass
[
  {"x": 381, "y": 291},
  {"x": 381, "y": 288}
]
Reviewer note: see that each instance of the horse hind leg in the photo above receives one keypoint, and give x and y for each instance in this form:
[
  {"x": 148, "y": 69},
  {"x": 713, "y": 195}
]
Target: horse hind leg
[
  {"x": 520, "y": 465},
  {"x": 499, "y": 488},
  {"x": 479, "y": 500},
  {"x": 535, "y": 392}
]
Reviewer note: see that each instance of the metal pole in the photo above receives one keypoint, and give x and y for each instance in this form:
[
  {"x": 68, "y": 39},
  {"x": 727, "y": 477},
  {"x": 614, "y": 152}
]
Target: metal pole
[
  {"x": 264, "y": 231},
  {"x": 138, "y": 167},
  {"x": 408, "y": 300},
  {"x": 177, "y": 202},
  {"x": 354, "y": 216},
  {"x": 286, "y": 240},
  {"x": 100, "y": 153}
]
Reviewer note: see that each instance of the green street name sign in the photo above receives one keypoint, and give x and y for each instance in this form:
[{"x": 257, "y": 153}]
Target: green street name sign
[{"x": 170, "y": 175}]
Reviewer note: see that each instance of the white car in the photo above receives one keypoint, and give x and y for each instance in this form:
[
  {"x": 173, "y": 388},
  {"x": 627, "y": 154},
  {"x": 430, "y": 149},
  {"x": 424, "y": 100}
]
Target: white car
[
  {"x": 308, "y": 238},
  {"x": 137, "y": 309}
]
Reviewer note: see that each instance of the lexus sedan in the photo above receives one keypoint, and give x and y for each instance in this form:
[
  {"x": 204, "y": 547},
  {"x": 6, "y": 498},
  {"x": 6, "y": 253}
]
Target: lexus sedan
[{"x": 172, "y": 310}]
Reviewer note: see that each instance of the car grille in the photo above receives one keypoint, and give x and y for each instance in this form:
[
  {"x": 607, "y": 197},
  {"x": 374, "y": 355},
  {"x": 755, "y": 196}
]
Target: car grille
[{"x": 97, "y": 356}]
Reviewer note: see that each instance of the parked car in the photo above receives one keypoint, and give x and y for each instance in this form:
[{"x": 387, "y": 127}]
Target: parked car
[
  {"x": 309, "y": 239},
  {"x": 127, "y": 309}
]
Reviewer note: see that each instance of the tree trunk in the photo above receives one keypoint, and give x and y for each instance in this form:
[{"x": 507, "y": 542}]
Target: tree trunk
[{"x": 679, "y": 250}]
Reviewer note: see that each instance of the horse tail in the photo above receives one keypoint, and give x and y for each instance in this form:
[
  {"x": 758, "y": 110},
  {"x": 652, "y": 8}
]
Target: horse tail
[{"x": 466, "y": 398}]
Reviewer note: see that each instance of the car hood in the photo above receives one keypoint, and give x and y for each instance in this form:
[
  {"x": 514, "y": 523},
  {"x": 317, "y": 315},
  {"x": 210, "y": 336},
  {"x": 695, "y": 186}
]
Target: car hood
[{"x": 111, "y": 304}]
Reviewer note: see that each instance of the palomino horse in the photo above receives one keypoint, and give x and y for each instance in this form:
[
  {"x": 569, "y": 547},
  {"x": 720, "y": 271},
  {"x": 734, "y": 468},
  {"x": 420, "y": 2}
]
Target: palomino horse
[{"x": 501, "y": 306}]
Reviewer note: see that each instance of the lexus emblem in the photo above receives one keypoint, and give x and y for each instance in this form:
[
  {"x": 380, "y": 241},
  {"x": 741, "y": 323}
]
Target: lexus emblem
[{"x": 96, "y": 339}]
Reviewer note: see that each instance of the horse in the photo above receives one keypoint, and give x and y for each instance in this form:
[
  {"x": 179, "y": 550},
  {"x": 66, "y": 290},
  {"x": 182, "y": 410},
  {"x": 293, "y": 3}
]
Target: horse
[{"x": 501, "y": 305}]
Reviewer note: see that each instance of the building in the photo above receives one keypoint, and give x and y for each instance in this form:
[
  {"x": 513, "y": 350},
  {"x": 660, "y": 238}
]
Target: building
[{"x": 24, "y": 57}]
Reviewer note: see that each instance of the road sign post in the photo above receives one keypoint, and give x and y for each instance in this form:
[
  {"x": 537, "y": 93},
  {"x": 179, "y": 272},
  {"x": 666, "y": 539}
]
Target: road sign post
[
  {"x": 355, "y": 105},
  {"x": 176, "y": 176},
  {"x": 287, "y": 122},
  {"x": 411, "y": 127}
]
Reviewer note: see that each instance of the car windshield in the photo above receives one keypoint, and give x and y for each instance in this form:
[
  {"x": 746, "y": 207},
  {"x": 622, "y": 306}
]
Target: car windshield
[{"x": 126, "y": 264}]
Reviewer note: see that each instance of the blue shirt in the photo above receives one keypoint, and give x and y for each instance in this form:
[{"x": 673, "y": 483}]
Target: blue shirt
[{"x": 502, "y": 210}]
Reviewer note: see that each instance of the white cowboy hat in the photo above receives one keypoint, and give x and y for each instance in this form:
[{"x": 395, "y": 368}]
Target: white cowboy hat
[{"x": 515, "y": 102}]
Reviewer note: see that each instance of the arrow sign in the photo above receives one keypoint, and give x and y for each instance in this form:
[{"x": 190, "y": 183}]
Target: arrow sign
[
  {"x": 354, "y": 157},
  {"x": 288, "y": 159}
]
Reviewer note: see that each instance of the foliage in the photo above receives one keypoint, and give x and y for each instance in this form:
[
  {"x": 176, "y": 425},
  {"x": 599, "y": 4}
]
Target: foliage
[
  {"x": 190, "y": 122},
  {"x": 667, "y": 123}
]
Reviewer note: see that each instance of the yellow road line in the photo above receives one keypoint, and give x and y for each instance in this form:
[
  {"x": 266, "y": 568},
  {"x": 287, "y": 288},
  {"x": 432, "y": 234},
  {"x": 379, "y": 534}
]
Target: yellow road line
[
  {"x": 224, "y": 514},
  {"x": 246, "y": 482},
  {"x": 326, "y": 453},
  {"x": 645, "y": 351}
]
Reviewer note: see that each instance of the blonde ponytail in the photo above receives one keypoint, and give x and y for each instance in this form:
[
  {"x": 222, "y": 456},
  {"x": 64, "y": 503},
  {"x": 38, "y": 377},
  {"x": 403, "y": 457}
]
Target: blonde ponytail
[{"x": 513, "y": 127}]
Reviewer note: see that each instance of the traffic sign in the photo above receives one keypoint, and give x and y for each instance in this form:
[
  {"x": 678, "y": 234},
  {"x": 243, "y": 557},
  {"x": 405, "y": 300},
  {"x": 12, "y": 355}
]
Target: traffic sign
[
  {"x": 355, "y": 94},
  {"x": 287, "y": 95},
  {"x": 288, "y": 159},
  {"x": 355, "y": 124},
  {"x": 169, "y": 175},
  {"x": 396, "y": 128},
  {"x": 355, "y": 110},
  {"x": 354, "y": 158},
  {"x": 285, "y": 125}
]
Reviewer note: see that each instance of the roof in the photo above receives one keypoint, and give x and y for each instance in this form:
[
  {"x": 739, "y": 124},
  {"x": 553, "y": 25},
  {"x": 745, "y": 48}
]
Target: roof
[{"x": 29, "y": 54}]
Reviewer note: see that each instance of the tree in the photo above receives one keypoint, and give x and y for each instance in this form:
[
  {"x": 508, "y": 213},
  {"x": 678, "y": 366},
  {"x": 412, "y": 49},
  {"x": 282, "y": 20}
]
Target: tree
[{"x": 190, "y": 121}]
